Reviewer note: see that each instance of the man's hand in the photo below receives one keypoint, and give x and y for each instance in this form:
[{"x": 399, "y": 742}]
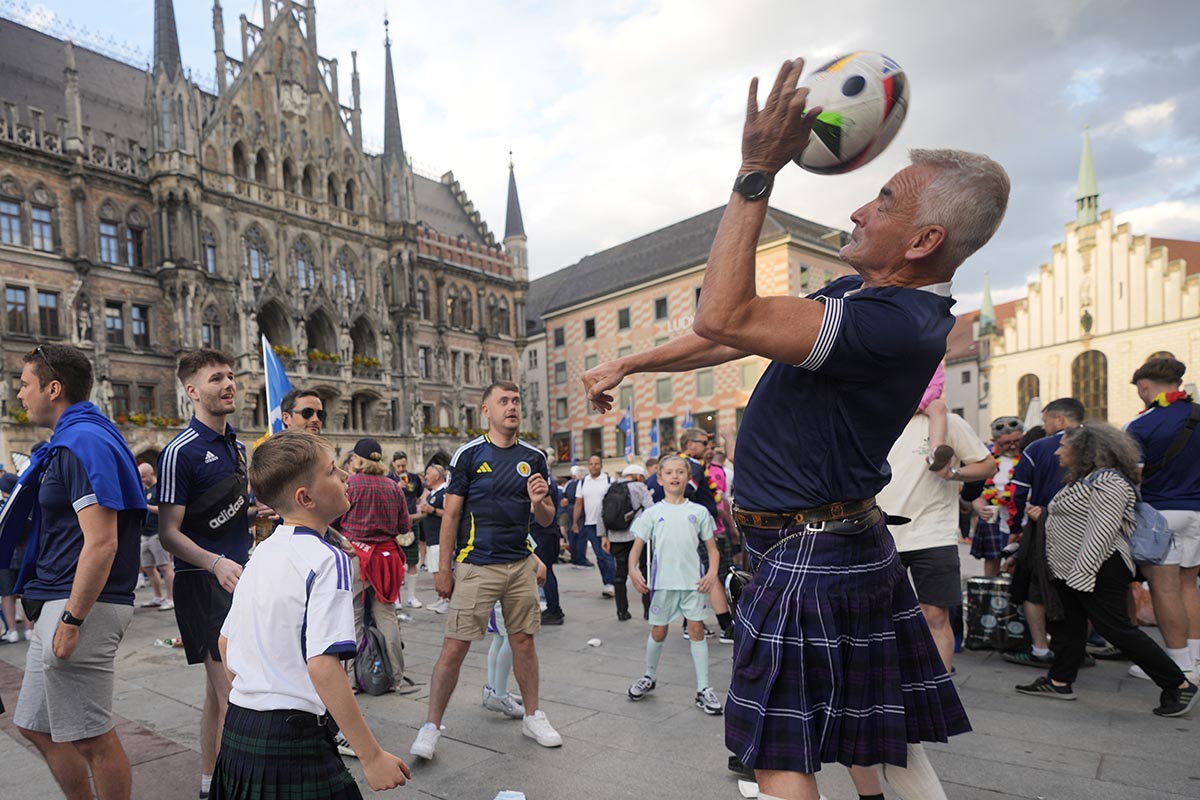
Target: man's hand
[
  {"x": 983, "y": 509},
  {"x": 265, "y": 510},
  {"x": 386, "y": 771},
  {"x": 598, "y": 380},
  {"x": 443, "y": 581},
  {"x": 424, "y": 508},
  {"x": 541, "y": 572},
  {"x": 537, "y": 488},
  {"x": 708, "y": 582},
  {"x": 66, "y": 639},
  {"x": 605, "y": 544},
  {"x": 227, "y": 573},
  {"x": 1035, "y": 512},
  {"x": 779, "y": 132}
]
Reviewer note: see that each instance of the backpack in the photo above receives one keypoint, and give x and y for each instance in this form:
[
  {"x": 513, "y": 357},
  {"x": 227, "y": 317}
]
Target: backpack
[
  {"x": 373, "y": 672},
  {"x": 617, "y": 507}
]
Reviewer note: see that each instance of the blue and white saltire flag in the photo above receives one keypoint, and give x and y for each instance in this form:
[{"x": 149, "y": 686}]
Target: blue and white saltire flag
[
  {"x": 654, "y": 439},
  {"x": 687, "y": 421},
  {"x": 277, "y": 386}
]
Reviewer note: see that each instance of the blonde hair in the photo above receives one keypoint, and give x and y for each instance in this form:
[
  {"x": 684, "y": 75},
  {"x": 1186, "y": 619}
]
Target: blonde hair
[
  {"x": 284, "y": 462},
  {"x": 366, "y": 466}
]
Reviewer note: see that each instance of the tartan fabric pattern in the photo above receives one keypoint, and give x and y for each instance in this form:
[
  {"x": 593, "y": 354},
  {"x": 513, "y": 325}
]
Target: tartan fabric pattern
[
  {"x": 988, "y": 541},
  {"x": 264, "y": 757},
  {"x": 378, "y": 510},
  {"x": 833, "y": 660}
]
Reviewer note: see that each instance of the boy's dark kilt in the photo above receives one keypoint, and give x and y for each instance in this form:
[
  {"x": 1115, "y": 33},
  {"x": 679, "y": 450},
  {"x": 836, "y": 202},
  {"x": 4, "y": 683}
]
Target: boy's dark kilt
[{"x": 280, "y": 755}]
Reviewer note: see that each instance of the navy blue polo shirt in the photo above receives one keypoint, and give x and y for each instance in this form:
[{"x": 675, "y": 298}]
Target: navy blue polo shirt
[
  {"x": 1038, "y": 476},
  {"x": 820, "y": 431},
  {"x": 65, "y": 491},
  {"x": 195, "y": 461},
  {"x": 150, "y": 528},
  {"x": 431, "y": 525},
  {"x": 1176, "y": 487},
  {"x": 494, "y": 528}
]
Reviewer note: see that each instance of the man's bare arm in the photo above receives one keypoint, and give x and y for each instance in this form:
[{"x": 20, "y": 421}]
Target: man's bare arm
[
  {"x": 175, "y": 542},
  {"x": 682, "y": 354}
]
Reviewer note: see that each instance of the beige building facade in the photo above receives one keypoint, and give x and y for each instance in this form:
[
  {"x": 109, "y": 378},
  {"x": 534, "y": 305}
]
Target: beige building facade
[{"x": 639, "y": 295}]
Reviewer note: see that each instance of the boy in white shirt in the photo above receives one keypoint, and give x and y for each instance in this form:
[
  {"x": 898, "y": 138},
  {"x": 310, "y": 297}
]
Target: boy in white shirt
[
  {"x": 289, "y": 628},
  {"x": 678, "y": 587}
]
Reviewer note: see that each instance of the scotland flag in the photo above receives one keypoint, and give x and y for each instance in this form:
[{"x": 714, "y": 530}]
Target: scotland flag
[
  {"x": 277, "y": 386},
  {"x": 654, "y": 439}
]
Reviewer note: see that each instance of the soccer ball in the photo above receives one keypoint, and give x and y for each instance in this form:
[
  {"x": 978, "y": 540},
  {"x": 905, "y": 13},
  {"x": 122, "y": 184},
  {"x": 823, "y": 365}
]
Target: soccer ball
[{"x": 863, "y": 97}]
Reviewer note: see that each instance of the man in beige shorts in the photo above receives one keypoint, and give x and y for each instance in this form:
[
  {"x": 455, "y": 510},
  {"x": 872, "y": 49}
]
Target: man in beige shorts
[{"x": 497, "y": 482}]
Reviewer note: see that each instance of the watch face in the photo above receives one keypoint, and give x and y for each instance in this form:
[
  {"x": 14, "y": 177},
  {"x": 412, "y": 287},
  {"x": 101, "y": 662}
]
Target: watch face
[{"x": 753, "y": 185}]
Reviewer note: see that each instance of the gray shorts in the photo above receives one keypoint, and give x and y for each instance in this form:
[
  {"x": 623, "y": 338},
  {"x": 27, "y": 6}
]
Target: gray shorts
[
  {"x": 153, "y": 554},
  {"x": 72, "y": 699}
]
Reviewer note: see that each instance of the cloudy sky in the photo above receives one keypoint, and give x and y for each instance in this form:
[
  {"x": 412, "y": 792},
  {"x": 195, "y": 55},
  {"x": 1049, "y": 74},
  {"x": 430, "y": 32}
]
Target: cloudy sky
[{"x": 625, "y": 116}]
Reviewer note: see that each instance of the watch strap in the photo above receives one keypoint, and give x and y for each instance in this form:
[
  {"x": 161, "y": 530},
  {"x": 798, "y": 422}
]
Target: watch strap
[{"x": 70, "y": 619}]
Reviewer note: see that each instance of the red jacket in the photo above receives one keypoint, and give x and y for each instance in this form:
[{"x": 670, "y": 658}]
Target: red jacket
[{"x": 382, "y": 568}]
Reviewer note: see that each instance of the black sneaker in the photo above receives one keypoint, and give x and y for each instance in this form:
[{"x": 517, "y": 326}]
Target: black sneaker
[
  {"x": 624, "y": 615},
  {"x": 1026, "y": 658},
  {"x": 741, "y": 770},
  {"x": 552, "y": 617},
  {"x": 1042, "y": 687},
  {"x": 1177, "y": 702},
  {"x": 727, "y": 636}
]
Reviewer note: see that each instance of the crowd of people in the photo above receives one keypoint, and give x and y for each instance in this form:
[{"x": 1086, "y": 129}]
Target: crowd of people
[{"x": 840, "y": 532}]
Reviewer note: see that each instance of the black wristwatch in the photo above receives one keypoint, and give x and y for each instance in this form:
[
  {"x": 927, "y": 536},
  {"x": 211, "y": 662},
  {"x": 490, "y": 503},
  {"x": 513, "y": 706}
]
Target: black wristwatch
[
  {"x": 69, "y": 619},
  {"x": 754, "y": 185}
]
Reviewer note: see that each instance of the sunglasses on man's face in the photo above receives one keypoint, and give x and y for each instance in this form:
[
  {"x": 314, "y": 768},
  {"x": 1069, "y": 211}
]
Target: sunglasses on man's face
[{"x": 307, "y": 413}]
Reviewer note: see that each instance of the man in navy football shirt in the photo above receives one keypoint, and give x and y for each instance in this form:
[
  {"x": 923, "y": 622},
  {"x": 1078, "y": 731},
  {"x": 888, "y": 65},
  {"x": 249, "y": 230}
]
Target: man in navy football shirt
[
  {"x": 496, "y": 481},
  {"x": 849, "y": 366}
]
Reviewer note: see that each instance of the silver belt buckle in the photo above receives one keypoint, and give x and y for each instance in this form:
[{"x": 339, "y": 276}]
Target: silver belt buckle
[{"x": 814, "y": 527}]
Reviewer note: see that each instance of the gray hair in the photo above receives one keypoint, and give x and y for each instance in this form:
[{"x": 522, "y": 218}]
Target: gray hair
[
  {"x": 968, "y": 197},
  {"x": 1098, "y": 445}
]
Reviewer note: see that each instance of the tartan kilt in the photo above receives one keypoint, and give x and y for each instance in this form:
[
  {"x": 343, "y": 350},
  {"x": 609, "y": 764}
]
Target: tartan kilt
[
  {"x": 833, "y": 660},
  {"x": 264, "y": 757},
  {"x": 988, "y": 541}
]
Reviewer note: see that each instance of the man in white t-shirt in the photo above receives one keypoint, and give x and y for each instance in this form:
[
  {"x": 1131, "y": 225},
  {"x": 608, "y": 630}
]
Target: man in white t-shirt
[
  {"x": 928, "y": 546},
  {"x": 589, "y": 503}
]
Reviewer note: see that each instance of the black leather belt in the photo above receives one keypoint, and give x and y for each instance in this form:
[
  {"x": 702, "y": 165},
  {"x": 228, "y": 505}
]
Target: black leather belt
[{"x": 847, "y": 512}]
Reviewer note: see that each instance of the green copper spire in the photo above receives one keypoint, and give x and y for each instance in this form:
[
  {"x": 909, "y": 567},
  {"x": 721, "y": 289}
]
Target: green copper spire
[
  {"x": 1087, "y": 195},
  {"x": 987, "y": 312}
]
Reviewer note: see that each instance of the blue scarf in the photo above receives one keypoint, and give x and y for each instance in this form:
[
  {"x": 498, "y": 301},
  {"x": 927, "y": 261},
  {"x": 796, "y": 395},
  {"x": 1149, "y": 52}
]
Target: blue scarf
[{"x": 110, "y": 467}]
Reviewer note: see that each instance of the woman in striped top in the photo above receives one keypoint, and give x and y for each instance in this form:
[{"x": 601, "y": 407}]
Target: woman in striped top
[{"x": 1088, "y": 525}]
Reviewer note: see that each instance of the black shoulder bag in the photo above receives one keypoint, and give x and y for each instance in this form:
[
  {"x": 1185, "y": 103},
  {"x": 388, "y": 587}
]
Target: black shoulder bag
[{"x": 1177, "y": 445}]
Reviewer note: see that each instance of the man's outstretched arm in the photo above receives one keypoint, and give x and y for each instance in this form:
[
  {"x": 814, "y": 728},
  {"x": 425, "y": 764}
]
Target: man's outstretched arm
[{"x": 682, "y": 354}]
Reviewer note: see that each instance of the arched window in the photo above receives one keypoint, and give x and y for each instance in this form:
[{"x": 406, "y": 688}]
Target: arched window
[
  {"x": 306, "y": 272},
  {"x": 260, "y": 167},
  {"x": 454, "y": 307},
  {"x": 348, "y": 199},
  {"x": 394, "y": 199},
  {"x": 258, "y": 261},
  {"x": 164, "y": 121},
  {"x": 331, "y": 190},
  {"x": 110, "y": 242},
  {"x": 505, "y": 325},
  {"x": 422, "y": 298},
  {"x": 210, "y": 329},
  {"x": 208, "y": 251},
  {"x": 468, "y": 311},
  {"x": 1089, "y": 383},
  {"x": 307, "y": 182},
  {"x": 289, "y": 176},
  {"x": 493, "y": 321},
  {"x": 345, "y": 281},
  {"x": 11, "y": 199},
  {"x": 240, "y": 168},
  {"x": 1028, "y": 387},
  {"x": 179, "y": 127},
  {"x": 136, "y": 224}
]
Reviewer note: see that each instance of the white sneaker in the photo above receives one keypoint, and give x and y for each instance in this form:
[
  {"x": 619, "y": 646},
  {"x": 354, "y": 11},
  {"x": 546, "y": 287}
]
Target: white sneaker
[
  {"x": 426, "y": 742},
  {"x": 343, "y": 745},
  {"x": 708, "y": 701},
  {"x": 440, "y": 607},
  {"x": 538, "y": 728},
  {"x": 543, "y": 605},
  {"x": 505, "y": 704},
  {"x": 607, "y": 590},
  {"x": 413, "y": 602},
  {"x": 28, "y": 634},
  {"x": 404, "y": 616},
  {"x": 153, "y": 602},
  {"x": 12, "y": 636},
  {"x": 1137, "y": 672},
  {"x": 166, "y": 605}
]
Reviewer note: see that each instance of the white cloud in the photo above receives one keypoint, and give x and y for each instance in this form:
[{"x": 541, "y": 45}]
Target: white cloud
[
  {"x": 971, "y": 301},
  {"x": 37, "y": 16},
  {"x": 1171, "y": 219},
  {"x": 1153, "y": 115}
]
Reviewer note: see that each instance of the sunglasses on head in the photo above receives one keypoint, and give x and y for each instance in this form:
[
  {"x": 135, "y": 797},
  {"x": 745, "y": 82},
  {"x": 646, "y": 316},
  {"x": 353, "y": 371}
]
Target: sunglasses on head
[
  {"x": 307, "y": 413},
  {"x": 1005, "y": 425},
  {"x": 41, "y": 352}
]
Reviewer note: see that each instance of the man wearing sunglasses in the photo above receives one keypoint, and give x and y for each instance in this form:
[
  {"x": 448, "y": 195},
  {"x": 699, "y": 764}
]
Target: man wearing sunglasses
[{"x": 303, "y": 409}]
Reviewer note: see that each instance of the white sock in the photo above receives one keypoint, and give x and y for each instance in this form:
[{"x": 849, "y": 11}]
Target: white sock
[
  {"x": 412, "y": 587},
  {"x": 1194, "y": 649},
  {"x": 205, "y": 782},
  {"x": 1040, "y": 651},
  {"x": 917, "y": 781},
  {"x": 1181, "y": 656}
]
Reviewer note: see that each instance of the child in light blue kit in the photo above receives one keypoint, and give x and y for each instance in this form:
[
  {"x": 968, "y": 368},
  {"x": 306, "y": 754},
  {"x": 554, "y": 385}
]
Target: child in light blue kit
[{"x": 677, "y": 585}]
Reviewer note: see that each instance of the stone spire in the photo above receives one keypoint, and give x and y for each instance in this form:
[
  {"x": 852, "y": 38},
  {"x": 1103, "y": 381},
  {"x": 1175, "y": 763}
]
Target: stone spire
[
  {"x": 513, "y": 224},
  {"x": 166, "y": 39},
  {"x": 393, "y": 143},
  {"x": 987, "y": 311},
  {"x": 1087, "y": 195}
]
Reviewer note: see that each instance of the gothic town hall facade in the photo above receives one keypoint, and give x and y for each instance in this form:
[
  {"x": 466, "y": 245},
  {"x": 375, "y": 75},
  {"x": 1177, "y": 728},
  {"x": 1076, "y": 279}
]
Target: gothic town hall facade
[{"x": 141, "y": 215}]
